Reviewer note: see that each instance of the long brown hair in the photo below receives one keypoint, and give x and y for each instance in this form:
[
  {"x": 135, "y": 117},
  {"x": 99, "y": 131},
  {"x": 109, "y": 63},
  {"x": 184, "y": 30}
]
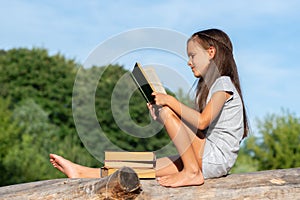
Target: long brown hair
[{"x": 223, "y": 64}]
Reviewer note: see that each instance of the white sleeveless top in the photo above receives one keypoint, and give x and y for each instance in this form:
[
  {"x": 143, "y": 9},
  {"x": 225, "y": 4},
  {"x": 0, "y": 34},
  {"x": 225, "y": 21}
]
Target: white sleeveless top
[{"x": 225, "y": 133}]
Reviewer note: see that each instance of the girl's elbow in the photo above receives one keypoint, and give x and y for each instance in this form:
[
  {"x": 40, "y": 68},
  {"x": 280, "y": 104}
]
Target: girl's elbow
[{"x": 203, "y": 125}]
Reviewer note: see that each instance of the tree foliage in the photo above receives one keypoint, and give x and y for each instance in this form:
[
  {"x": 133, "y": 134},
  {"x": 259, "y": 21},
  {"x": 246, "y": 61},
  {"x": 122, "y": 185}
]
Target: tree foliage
[
  {"x": 274, "y": 146},
  {"x": 37, "y": 118},
  {"x": 277, "y": 145},
  {"x": 9, "y": 132},
  {"x": 36, "y": 91},
  {"x": 122, "y": 117},
  {"x": 34, "y": 74},
  {"x": 28, "y": 155}
]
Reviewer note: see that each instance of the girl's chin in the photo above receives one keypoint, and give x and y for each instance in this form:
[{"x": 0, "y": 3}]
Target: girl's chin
[{"x": 197, "y": 75}]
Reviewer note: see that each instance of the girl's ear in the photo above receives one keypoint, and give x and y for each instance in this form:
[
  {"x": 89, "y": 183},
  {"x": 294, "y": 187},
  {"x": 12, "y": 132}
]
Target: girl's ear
[{"x": 211, "y": 52}]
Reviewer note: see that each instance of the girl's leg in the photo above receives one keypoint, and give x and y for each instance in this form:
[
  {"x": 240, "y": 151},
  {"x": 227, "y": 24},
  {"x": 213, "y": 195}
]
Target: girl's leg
[
  {"x": 190, "y": 148},
  {"x": 168, "y": 165},
  {"x": 73, "y": 170},
  {"x": 173, "y": 164}
]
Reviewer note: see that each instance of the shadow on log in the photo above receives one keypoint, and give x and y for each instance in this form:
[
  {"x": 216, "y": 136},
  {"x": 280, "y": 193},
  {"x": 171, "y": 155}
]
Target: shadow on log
[{"x": 124, "y": 184}]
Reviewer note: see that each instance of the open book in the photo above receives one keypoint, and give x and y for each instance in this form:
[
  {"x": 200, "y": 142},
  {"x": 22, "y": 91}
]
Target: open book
[{"x": 147, "y": 82}]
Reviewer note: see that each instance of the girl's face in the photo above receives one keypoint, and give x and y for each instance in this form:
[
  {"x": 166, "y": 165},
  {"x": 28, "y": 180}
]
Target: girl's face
[{"x": 199, "y": 58}]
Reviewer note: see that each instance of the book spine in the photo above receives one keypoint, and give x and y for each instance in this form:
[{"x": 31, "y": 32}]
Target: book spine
[
  {"x": 142, "y": 173},
  {"x": 129, "y": 156},
  {"x": 114, "y": 164}
]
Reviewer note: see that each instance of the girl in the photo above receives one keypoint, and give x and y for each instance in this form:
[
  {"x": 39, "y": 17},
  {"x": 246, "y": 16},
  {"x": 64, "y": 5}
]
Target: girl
[
  {"x": 219, "y": 122},
  {"x": 207, "y": 138}
]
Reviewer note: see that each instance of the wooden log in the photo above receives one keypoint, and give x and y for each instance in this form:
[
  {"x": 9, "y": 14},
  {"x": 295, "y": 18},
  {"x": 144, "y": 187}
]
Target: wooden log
[
  {"x": 272, "y": 184},
  {"x": 123, "y": 184}
]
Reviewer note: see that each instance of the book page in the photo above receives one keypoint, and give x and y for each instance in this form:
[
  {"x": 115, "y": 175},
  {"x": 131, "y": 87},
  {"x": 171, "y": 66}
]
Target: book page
[
  {"x": 154, "y": 80},
  {"x": 128, "y": 156},
  {"x": 132, "y": 164}
]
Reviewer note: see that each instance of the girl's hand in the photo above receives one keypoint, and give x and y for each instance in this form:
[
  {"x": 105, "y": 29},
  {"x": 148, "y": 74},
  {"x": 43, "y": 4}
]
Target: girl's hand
[
  {"x": 161, "y": 99},
  {"x": 155, "y": 111},
  {"x": 152, "y": 111}
]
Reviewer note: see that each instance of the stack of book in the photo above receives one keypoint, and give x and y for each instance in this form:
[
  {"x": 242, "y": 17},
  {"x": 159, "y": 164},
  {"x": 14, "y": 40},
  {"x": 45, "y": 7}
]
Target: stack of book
[{"x": 143, "y": 163}]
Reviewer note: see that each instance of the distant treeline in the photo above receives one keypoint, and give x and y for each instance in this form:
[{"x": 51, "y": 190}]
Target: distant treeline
[{"x": 36, "y": 115}]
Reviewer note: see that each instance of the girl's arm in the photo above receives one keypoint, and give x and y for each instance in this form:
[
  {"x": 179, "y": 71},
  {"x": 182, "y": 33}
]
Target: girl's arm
[{"x": 199, "y": 120}]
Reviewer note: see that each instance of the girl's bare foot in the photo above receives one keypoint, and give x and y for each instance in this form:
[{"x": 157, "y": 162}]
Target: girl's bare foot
[
  {"x": 73, "y": 170},
  {"x": 182, "y": 178}
]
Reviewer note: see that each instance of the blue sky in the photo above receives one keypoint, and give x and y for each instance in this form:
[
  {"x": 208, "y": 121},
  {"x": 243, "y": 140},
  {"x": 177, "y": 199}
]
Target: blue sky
[{"x": 265, "y": 35}]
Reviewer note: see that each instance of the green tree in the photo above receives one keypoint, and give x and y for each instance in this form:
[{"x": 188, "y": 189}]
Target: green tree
[
  {"x": 47, "y": 79},
  {"x": 9, "y": 132},
  {"x": 280, "y": 147},
  {"x": 244, "y": 163},
  {"x": 185, "y": 98},
  {"x": 277, "y": 144},
  {"x": 120, "y": 109},
  {"x": 27, "y": 157},
  {"x": 37, "y": 118}
]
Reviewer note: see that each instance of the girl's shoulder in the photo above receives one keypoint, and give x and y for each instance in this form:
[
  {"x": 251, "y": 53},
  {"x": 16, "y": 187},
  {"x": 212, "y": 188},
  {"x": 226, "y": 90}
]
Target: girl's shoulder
[{"x": 223, "y": 83}]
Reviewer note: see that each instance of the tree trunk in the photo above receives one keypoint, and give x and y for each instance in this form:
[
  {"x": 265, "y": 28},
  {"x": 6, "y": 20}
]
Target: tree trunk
[
  {"x": 123, "y": 184},
  {"x": 272, "y": 184}
]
